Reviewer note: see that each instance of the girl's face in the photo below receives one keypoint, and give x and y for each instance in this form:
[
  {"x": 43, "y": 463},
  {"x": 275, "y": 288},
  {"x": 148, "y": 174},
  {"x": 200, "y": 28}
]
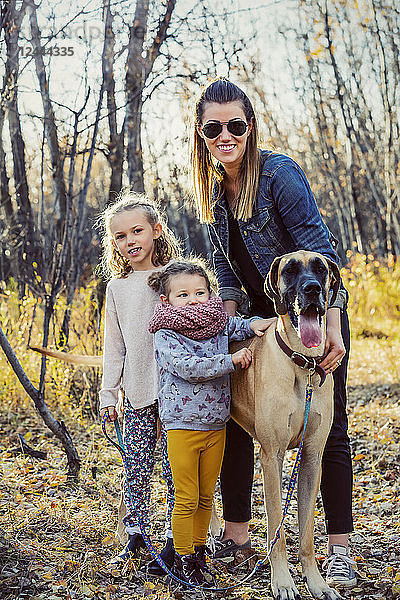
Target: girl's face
[
  {"x": 226, "y": 147},
  {"x": 186, "y": 289},
  {"x": 133, "y": 237}
]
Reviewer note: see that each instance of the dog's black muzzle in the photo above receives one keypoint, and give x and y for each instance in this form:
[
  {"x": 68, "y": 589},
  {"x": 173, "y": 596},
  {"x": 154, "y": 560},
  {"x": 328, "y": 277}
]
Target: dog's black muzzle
[
  {"x": 300, "y": 296},
  {"x": 305, "y": 296},
  {"x": 309, "y": 294}
]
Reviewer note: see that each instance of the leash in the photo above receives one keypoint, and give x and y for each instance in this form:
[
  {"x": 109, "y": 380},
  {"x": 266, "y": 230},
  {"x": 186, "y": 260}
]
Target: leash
[{"x": 292, "y": 484}]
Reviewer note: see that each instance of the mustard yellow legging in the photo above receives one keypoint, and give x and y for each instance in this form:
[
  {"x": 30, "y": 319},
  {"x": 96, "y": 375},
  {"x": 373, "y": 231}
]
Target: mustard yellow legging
[{"x": 195, "y": 458}]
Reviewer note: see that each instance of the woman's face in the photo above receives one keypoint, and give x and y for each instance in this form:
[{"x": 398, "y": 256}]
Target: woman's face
[{"x": 226, "y": 148}]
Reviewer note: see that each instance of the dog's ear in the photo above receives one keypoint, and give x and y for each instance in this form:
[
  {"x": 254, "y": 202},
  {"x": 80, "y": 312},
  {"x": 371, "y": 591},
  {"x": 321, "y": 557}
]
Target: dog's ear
[
  {"x": 335, "y": 279},
  {"x": 271, "y": 287}
]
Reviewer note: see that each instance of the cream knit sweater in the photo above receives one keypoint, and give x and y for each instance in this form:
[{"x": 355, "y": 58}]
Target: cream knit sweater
[{"x": 128, "y": 352}]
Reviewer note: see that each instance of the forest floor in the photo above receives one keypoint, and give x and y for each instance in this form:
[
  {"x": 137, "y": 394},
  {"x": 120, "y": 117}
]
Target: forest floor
[{"x": 56, "y": 539}]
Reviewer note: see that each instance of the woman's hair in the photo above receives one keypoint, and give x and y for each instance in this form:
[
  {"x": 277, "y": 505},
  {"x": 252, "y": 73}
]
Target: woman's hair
[
  {"x": 165, "y": 247},
  {"x": 206, "y": 173},
  {"x": 160, "y": 280}
]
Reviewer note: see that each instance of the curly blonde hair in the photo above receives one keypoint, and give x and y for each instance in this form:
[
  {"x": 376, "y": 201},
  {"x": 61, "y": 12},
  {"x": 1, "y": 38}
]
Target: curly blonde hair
[{"x": 166, "y": 247}]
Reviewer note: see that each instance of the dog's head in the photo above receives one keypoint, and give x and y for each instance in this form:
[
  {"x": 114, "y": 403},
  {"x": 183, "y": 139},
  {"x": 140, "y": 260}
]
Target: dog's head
[{"x": 299, "y": 285}]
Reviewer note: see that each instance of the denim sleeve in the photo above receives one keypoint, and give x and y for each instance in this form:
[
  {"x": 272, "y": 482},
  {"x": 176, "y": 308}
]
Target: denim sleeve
[
  {"x": 299, "y": 212},
  {"x": 341, "y": 298},
  {"x": 176, "y": 358},
  {"x": 229, "y": 286}
]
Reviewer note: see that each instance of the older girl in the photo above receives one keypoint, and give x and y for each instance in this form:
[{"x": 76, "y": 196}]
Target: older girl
[{"x": 136, "y": 241}]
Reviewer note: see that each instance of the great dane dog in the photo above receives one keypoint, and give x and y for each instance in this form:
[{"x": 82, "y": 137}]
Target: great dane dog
[{"x": 268, "y": 401}]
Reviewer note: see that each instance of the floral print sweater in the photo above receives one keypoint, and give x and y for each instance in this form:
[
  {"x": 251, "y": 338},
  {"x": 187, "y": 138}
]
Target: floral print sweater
[{"x": 194, "y": 376}]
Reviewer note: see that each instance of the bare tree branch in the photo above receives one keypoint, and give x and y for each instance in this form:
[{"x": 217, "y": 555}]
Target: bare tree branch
[{"x": 57, "y": 427}]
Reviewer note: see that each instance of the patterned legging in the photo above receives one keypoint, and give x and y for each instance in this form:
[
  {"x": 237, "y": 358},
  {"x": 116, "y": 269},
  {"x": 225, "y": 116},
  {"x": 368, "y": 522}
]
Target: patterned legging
[{"x": 140, "y": 437}]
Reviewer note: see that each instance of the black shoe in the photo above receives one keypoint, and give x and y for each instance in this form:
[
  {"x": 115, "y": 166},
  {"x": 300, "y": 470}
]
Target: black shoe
[
  {"x": 200, "y": 553},
  {"x": 228, "y": 548},
  {"x": 187, "y": 568},
  {"x": 130, "y": 551},
  {"x": 167, "y": 554}
]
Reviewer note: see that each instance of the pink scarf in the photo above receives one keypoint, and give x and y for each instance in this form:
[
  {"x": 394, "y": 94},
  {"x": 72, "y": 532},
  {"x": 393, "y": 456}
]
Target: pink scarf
[{"x": 195, "y": 321}]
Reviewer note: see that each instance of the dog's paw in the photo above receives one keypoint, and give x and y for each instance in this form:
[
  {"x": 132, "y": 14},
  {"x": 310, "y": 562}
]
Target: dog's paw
[
  {"x": 331, "y": 595},
  {"x": 287, "y": 591},
  {"x": 322, "y": 591},
  {"x": 287, "y": 595}
]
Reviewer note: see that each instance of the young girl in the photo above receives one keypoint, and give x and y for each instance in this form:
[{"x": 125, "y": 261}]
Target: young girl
[
  {"x": 135, "y": 242},
  {"x": 192, "y": 332}
]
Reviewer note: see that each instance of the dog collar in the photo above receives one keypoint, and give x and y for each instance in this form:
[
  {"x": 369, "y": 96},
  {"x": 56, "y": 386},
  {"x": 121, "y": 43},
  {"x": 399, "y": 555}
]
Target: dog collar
[{"x": 308, "y": 363}]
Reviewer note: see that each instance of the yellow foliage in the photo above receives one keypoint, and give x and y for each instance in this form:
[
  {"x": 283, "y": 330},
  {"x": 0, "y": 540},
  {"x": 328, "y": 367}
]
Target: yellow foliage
[
  {"x": 374, "y": 288},
  {"x": 69, "y": 391}
]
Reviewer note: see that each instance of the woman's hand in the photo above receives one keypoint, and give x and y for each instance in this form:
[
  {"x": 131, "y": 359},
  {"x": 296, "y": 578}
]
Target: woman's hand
[
  {"x": 260, "y": 326},
  {"x": 230, "y": 306},
  {"x": 334, "y": 346},
  {"x": 112, "y": 413}
]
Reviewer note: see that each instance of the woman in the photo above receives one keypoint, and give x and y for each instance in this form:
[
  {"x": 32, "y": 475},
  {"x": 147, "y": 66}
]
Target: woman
[{"x": 259, "y": 205}]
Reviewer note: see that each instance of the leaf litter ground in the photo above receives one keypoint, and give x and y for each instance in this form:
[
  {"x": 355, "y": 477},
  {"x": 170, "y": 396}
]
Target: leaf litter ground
[{"x": 56, "y": 539}]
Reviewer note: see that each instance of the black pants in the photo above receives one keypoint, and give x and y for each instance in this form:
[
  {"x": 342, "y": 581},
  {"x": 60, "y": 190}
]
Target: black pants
[{"x": 337, "y": 474}]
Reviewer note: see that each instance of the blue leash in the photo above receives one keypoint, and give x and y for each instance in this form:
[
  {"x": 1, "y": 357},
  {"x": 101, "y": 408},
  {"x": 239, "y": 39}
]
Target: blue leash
[{"x": 292, "y": 484}]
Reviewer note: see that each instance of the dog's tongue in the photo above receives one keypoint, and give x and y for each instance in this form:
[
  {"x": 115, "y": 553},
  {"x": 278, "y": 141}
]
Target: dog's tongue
[{"x": 310, "y": 331}]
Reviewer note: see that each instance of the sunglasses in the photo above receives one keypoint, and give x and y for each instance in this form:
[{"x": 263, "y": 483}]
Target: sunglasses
[{"x": 213, "y": 129}]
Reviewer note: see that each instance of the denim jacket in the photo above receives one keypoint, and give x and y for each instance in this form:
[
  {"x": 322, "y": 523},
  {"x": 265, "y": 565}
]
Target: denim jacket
[{"x": 285, "y": 219}]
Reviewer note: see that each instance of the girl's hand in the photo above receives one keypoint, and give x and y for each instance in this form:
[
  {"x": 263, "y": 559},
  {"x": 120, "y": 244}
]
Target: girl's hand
[
  {"x": 242, "y": 357},
  {"x": 259, "y": 326},
  {"x": 334, "y": 346},
  {"x": 112, "y": 413}
]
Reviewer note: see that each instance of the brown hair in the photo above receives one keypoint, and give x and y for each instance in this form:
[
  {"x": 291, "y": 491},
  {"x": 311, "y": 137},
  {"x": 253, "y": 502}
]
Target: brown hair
[
  {"x": 160, "y": 280},
  {"x": 206, "y": 173},
  {"x": 166, "y": 247}
]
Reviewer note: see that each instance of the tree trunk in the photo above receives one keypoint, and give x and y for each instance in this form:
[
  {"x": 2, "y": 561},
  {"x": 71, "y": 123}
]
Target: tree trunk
[
  {"x": 138, "y": 68},
  {"x": 50, "y": 127},
  {"x": 80, "y": 222},
  {"x": 134, "y": 85},
  {"x": 5, "y": 198},
  {"x": 387, "y": 142},
  {"x": 116, "y": 143},
  {"x": 340, "y": 88},
  {"x": 28, "y": 248}
]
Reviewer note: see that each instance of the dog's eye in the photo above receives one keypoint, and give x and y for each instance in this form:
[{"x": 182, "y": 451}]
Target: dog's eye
[
  {"x": 291, "y": 269},
  {"x": 319, "y": 267}
]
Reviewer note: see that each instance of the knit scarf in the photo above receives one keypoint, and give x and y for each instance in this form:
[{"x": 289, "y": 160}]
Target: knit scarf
[{"x": 195, "y": 321}]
